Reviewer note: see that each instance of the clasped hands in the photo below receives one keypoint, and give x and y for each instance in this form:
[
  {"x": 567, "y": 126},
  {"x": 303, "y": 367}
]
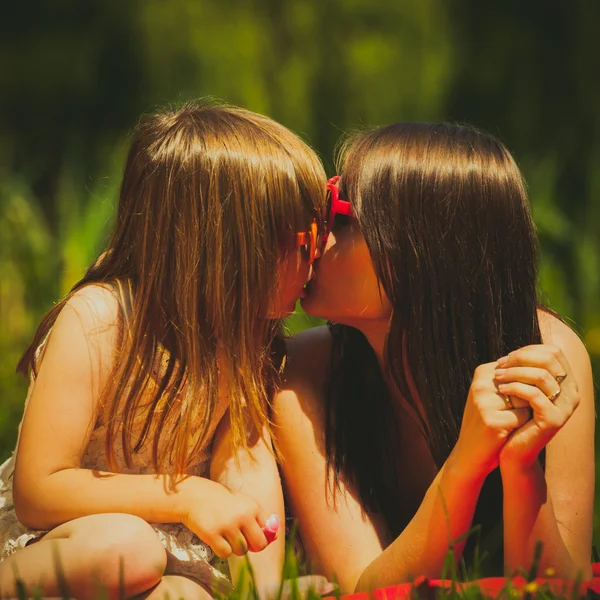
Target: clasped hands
[{"x": 515, "y": 406}]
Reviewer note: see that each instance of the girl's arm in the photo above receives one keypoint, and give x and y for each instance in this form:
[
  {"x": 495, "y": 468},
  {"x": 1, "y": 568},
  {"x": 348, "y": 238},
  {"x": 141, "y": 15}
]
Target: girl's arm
[
  {"x": 348, "y": 544},
  {"x": 555, "y": 507},
  {"x": 50, "y": 487},
  {"x": 254, "y": 474}
]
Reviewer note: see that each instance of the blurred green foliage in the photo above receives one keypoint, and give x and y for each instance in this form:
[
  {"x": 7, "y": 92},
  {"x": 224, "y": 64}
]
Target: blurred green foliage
[{"x": 77, "y": 75}]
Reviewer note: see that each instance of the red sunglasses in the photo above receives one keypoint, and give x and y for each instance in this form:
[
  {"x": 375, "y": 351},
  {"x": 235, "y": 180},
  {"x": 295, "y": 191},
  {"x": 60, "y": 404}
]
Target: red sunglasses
[
  {"x": 309, "y": 240},
  {"x": 335, "y": 206}
]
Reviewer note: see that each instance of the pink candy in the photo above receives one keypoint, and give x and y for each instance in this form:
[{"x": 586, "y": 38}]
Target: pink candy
[{"x": 271, "y": 528}]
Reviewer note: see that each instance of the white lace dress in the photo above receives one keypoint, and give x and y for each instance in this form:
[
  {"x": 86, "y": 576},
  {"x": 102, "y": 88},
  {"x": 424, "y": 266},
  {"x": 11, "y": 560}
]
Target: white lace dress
[{"x": 187, "y": 554}]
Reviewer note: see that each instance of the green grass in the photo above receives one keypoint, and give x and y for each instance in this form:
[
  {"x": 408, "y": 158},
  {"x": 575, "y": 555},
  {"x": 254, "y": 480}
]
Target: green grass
[{"x": 522, "y": 586}]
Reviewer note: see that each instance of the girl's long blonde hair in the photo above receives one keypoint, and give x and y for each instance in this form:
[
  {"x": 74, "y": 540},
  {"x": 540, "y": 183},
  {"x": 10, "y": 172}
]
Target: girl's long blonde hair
[{"x": 211, "y": 196}]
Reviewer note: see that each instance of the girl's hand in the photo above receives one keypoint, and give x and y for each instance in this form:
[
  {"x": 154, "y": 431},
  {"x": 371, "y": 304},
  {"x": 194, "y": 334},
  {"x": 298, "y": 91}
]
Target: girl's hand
[
  {"x": 271, "y": 528},
  {"x": 541, "y": 376},
  {"x": 488, "y": 421},
  {"x": 229, "y": 522}
]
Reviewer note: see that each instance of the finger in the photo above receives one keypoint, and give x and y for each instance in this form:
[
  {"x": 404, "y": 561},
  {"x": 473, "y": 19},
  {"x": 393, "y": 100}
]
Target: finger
[
  {"x": 515, "y": 417},
  {"x": 518, "y": 403},
  {"x": 237, "y": 542},
  {"x": 541, "y": 378},
  {"x": 508, "y": 402},
  {"x": 537, "y": 355},
  {"x": 262, "y": 516},
  {"x": 538, "y": 401},
  {"x": 220, "y": 546},
  {"x": 254, "y": 536},
  {"x": 549, "y": 413}
]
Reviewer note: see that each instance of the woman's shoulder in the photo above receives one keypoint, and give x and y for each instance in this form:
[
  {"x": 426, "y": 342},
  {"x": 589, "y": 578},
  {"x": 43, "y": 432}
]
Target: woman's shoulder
[
  {"x": 309, "y": 354},
  {"x": 304, "y": 381},
  {"x": 559, "y": 334},
  {"x": 556, "y": 332}
]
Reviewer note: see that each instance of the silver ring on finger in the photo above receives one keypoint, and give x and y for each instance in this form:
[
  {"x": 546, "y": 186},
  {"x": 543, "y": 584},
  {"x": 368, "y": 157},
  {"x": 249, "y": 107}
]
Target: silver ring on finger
[{"x": 555, "y": 395}]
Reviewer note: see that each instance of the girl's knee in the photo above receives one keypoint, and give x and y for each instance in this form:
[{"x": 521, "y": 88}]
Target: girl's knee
[{"x": 127, "y": 553}]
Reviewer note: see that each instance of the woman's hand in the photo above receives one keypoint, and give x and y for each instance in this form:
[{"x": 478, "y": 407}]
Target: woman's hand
[
  {"x": 488, "y": 421},
  {"x": 229, "y": 522},
  {"x": 541, "y": 376}
]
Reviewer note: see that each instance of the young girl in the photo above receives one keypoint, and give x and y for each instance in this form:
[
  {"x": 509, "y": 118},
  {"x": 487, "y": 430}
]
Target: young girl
[
  {"x": 151, "y": 380},
  {"x": 440, "y": 368}
]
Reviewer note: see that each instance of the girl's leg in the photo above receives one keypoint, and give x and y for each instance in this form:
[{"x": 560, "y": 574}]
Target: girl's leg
[
  {"x": 174, "y": 587},
  {"x": 87, "y": 554}
]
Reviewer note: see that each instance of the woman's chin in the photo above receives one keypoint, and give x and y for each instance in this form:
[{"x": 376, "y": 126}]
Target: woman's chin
[
  {"x": 305, "y": 303},
  {"x": 309, "y": 306}
]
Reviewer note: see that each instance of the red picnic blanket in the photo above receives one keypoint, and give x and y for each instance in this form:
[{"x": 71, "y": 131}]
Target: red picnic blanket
[{"x": 491, "y": 586}]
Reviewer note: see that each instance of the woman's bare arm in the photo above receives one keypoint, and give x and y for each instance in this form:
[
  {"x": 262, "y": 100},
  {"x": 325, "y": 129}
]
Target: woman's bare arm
[
  {"x": 556, "y": 507},
  {"x": 344, "y": 542}
]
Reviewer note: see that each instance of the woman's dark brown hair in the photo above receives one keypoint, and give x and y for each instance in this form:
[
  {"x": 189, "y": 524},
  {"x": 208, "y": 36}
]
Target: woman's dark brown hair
[
  {"x": 444, "y": 212},
  {"x": 211, "y": 196}
]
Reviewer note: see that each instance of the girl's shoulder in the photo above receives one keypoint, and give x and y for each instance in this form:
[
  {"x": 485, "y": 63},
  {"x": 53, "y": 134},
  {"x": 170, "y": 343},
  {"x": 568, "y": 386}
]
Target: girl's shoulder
[
  {"x": 95, "y": 306},
  {"x": 93, "y": 312}
]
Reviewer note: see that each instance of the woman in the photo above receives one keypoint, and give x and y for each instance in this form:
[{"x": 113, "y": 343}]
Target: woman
[{"x": 441, "y": 396}]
